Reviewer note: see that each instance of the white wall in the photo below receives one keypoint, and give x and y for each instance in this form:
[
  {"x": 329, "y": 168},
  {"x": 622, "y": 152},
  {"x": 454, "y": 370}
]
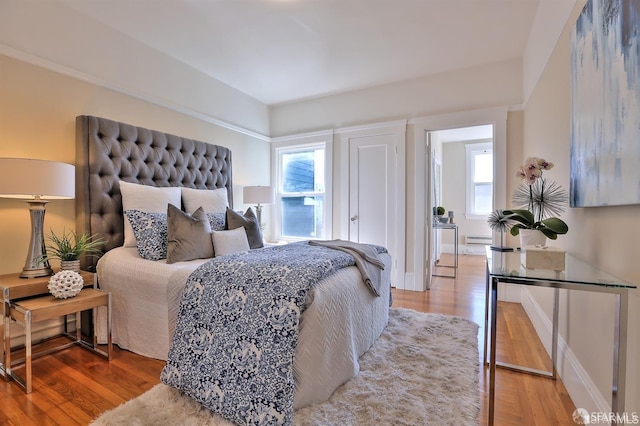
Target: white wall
[
  {"x": 489, "y": 85},
  {"x": 605, "y": 237}
]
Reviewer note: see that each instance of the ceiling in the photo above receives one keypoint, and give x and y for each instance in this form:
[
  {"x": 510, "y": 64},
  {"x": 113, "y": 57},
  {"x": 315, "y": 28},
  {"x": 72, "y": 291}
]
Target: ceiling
[{"x": 279, "y": 51}]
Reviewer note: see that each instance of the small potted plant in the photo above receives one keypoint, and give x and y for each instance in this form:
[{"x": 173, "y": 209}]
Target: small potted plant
[{"x": 68, "y": 248}]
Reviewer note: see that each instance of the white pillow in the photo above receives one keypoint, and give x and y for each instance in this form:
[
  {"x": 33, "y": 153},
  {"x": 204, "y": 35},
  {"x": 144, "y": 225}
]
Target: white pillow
[
  {"x": 211, "y": 200},
  {"x": 149, "y": 199},
  {"x": 230, "y": 242}
]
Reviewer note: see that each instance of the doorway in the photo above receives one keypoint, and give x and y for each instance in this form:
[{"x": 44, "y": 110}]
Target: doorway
[
  {"x": 426, "y": 149},
  {"x": 462, "y": 193}
]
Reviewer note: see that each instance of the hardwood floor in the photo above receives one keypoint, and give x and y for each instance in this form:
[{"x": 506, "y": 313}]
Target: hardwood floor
[
  {"x": 521, "y": 399},
  {"x": 74, "y": 386}
]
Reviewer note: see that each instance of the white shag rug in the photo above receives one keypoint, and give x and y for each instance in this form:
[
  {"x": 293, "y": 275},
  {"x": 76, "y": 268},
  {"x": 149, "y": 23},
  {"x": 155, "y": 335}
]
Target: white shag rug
[{"x": 423, "y": 370}]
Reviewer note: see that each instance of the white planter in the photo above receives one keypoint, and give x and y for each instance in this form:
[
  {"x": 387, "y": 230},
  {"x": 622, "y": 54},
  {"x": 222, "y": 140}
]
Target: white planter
[{"x": 532, "y": 237}]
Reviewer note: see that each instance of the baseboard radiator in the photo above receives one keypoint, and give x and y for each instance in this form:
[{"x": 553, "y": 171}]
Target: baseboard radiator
[{"x": 475, "y": 244}]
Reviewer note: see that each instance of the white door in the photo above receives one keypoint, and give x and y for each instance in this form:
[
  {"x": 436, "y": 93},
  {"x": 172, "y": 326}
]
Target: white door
[
  {"x": 371, "y": 204},
  {"x": 374, "y": 205}
]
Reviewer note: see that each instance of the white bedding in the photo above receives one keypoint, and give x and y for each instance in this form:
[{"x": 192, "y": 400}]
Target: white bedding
[{"x": 342, "y": 320}]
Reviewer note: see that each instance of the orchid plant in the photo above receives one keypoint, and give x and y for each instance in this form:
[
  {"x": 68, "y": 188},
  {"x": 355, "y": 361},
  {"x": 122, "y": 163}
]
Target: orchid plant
[{"x": 538, "y": 199}]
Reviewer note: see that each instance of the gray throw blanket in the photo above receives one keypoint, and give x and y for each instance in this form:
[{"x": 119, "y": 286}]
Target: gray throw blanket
[{"x": 366, "y": 257}]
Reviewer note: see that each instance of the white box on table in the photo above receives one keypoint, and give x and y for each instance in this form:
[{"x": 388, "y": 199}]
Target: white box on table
[{"x": 536, "y": 257}]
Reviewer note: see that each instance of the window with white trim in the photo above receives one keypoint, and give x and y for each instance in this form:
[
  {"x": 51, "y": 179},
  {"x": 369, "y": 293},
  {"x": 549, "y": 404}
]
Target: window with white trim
[
  {"x": 479, "y": 181},
  {"x": 302, "y": 196}
]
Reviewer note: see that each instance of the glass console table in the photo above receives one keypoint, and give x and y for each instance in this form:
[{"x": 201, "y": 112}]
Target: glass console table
[
  {"x": 454, "y": 228},
  {"x": 507, "y": 268}
]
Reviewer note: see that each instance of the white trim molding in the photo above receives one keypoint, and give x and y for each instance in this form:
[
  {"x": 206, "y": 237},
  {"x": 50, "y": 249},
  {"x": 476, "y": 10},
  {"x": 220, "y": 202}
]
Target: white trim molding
[
  {"x": 78, "y": 75},
  {"x": 498, "y": 118}
]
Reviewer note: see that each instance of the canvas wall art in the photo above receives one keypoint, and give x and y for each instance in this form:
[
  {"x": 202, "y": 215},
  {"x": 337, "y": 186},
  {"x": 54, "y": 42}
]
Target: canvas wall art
[{"x": 605, "y": 104}]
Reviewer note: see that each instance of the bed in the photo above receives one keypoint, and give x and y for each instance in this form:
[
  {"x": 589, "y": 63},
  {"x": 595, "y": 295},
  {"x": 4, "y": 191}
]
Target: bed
[{"x": 341, "y": 319}]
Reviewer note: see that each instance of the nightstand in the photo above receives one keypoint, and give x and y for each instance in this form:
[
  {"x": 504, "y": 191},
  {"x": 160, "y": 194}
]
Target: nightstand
[
  {"x": 29, "y": 311},
  {"x": 13, "y": 288}
]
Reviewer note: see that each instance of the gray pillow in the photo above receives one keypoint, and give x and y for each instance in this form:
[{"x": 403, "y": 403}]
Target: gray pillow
[
  {"x": 250, "y": 223},
  {"x": 188, "y": 235}
]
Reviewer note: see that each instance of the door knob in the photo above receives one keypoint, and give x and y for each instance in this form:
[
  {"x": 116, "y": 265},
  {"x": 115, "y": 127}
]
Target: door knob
[{"x": 354, "y": 218}]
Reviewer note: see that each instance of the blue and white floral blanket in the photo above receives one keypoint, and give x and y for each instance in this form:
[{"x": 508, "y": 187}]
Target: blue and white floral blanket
[{"x": 237, "y": 330}]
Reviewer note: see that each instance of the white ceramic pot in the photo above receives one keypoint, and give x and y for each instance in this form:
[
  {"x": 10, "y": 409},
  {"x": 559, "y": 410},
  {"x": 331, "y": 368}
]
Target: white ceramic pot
[{"x": 532, "y": 237}]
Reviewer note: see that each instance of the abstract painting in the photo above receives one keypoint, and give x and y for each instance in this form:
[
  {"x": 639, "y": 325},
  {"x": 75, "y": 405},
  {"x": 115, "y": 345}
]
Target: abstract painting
[{"x": 605, "y": 104}]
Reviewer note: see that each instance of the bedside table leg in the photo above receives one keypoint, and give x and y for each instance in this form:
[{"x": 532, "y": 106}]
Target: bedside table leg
[
  {"x": 78, "y": 327},
  {"x": 109, "y": 342},
  {"x": 27, "y": 359},
  {"x": 6, "y": 345}
]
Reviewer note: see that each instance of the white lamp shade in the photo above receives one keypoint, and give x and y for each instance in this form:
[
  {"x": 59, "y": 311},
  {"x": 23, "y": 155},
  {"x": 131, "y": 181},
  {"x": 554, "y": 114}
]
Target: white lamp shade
[
  {"x": 258, "y": 195},
  {"x": 28, "y": 178}
]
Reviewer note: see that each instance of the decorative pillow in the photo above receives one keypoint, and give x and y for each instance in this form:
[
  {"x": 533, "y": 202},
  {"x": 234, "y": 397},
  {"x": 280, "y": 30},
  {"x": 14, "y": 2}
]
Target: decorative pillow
[
  {"x": 148, "y": 199},
  {"x": 218, "y": 221},
  {"x": 250, "y": 223},
  {"x": 150, "y": 230},
  {"x": 188, "y": 235},
  {"x": 211, "y": 200},
  {"x": 230, "y": 242}
]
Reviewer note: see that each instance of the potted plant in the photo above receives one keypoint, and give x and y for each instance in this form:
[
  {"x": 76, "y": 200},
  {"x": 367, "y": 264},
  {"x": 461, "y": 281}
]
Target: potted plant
[
  {"x": 68, "y": 248},
  {"x": 542, "y": 199},
  {"x": 551, "y": 227}
]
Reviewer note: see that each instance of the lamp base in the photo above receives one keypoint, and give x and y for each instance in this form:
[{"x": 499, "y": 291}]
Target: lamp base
[
  {"x": 35, "y": 273},
  {"x": 36, "y": 264}
]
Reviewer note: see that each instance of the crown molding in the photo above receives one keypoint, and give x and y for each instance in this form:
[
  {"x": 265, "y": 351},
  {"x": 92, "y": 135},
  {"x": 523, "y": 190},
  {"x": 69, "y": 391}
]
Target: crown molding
[{"x": 73, "y": 73}]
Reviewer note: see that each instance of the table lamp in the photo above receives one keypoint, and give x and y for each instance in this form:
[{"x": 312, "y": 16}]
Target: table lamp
[
  {"x": 36, "y": 182},
  {"x": 258, "y": 195}
]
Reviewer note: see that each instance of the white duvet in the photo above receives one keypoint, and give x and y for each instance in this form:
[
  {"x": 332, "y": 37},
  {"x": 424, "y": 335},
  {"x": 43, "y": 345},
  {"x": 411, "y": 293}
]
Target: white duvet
[{"x": 342, "y": 320}]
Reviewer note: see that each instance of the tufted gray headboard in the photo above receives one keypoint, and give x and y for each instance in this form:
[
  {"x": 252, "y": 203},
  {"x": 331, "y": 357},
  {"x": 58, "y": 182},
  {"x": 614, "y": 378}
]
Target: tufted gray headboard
[{"x": 108, "y": 151}]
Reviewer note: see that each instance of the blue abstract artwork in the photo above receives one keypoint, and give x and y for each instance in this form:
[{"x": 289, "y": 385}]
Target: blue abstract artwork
[{"x": 605, "y": 104}]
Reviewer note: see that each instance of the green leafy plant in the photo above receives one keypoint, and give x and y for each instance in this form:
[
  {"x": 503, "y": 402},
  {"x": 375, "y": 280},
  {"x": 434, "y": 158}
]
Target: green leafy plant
[
  {"x": 524, "y": 219},
  {"x": 70, "y": 246},
  {"x": 440, "y": 210}
]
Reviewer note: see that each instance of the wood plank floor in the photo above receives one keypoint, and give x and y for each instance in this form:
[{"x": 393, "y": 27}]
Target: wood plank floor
[
  {"x": 74, "y": 386},
  {"x": 521, "y": 399}
]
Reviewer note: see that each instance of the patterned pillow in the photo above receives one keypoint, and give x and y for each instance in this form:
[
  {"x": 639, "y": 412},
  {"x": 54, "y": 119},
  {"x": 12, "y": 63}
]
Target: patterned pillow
[
  {"x": 147, "y": 199},
  {"x": 217, "y": 221},
  {"x": 150, "y": 230}
]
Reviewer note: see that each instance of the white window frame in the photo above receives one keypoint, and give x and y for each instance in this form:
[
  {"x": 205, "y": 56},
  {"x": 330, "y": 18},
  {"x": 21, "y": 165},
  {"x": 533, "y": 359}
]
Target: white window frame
[
  {"x": 473, "y": 149},
  {"x": 297, "y": 143}
]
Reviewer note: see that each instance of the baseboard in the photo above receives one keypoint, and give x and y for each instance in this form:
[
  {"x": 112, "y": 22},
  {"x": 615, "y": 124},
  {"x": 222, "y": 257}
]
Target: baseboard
[
  {"x": 576, "y": 379},
  {"x": 472, "y": 249},
  {"x": 410, "y": 282}
]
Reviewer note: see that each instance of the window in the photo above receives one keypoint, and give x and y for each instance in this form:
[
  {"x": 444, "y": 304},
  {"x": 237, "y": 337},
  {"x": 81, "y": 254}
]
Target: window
[
  {"x": 479, "y": 180},
  {"x": 302, "y": 197}
]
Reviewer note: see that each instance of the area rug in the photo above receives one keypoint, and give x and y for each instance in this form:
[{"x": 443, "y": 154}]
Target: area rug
[{"x": 423, "y": 370}]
